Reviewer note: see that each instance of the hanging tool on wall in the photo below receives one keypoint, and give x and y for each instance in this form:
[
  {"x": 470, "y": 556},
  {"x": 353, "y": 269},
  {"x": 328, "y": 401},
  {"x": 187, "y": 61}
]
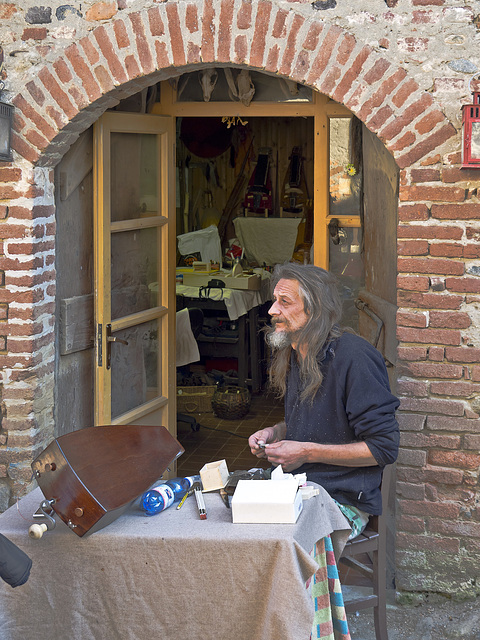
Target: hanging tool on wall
[
  {"x": 235, "y": 197},
  {"x": 296, "y": 203},
  {"x": 258, "y": 199},
  {"x": 293, "y": 198}
]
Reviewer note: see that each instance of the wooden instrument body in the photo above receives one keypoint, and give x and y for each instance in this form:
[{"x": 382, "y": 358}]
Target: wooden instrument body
[{"x": 94, "y": 474}]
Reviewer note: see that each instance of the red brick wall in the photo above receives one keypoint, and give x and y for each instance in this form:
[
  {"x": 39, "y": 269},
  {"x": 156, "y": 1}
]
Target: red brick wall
[{"x": 371, "y": 61}]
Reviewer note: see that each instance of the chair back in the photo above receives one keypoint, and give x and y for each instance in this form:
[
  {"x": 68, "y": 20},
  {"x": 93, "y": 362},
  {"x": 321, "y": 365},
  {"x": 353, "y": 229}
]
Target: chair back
[{"x": 378, "y": 523}]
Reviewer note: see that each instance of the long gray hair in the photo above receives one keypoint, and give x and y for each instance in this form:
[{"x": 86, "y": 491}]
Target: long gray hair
[{"x": 323, "y": 306}]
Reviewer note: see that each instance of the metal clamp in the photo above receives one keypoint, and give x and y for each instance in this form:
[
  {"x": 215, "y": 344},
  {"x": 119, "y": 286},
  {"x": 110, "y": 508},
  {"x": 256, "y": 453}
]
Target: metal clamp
[{"x": 43, "y": 512}]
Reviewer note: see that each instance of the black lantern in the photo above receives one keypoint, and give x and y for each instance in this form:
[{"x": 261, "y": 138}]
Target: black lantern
[
  {"x": 6, "y": 115},
  {"x": 471, "y": 133}
]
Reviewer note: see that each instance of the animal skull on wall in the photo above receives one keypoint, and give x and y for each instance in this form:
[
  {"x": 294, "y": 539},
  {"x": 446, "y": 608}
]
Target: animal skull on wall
[
  {"x": 246, "y": 88},
  {"x": 208, "y": 79},
  {"x": 232, "y": 87}
]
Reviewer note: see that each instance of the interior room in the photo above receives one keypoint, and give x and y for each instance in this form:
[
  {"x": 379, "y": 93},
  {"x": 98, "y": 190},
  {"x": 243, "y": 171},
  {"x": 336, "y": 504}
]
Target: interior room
[{"x": 246, "y": 190}]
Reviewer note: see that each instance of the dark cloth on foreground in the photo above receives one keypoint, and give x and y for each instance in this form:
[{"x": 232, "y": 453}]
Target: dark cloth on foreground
[
  {"x": 354, "y": 403},
  {"x": 15, "y": 565}
]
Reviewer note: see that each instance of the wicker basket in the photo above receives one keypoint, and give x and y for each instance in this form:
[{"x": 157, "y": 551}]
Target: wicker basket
[
  {"x": 231, "y": 402},
  {"x": 195, "y": 399}
]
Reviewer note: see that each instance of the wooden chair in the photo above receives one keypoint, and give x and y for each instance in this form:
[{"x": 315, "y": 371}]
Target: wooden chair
[{"x": 370, "y": 568}]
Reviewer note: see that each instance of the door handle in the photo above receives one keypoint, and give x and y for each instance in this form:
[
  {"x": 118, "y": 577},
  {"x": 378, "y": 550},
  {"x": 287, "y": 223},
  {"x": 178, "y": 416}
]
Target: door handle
[{"x": 110, "y": 339}]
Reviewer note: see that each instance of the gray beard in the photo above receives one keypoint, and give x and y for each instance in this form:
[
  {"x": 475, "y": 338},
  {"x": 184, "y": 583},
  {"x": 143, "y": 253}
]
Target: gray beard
[{"x": 278, "y": 339}]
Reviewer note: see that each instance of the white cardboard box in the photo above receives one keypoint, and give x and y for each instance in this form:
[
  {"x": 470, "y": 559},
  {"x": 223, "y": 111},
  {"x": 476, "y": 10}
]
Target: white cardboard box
[{"x": 266, "y": 501}]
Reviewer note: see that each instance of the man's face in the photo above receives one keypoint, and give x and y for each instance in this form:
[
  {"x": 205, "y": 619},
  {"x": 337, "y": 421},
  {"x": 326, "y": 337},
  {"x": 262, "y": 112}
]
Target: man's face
[{"x": 287, "y": 311}]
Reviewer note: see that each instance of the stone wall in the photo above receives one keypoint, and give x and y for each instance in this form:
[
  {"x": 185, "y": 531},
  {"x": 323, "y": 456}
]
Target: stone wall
[{"x": 404, "y": 68}]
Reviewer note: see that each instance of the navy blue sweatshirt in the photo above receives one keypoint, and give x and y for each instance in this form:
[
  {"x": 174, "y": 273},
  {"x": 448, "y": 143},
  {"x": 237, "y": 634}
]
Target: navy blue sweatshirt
[{"x": 353, "y": 404}]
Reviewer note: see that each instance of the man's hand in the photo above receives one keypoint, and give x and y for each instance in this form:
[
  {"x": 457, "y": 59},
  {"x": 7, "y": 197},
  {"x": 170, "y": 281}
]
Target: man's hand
[
  {"x": 288, "y": 453},
  {"x": 258, "y": 440},
  {"x": 269, "y": 443}
]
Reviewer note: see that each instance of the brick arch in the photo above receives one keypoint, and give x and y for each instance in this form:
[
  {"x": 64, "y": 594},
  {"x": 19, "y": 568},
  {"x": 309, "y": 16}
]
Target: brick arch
[{"x": 139, "y": 48}]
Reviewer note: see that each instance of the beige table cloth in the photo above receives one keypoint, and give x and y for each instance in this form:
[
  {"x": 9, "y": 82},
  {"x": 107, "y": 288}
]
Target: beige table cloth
[{"x": 167, "y": 577}]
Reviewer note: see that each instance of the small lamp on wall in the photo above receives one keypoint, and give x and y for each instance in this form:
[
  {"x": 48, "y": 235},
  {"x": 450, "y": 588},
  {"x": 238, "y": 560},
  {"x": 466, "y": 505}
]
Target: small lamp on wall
[
  {"x": 471, "y": 131},
  {"x": 6, "y": 115}
]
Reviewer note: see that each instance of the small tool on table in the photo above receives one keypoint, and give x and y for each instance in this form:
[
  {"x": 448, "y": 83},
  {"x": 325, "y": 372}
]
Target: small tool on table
[
  {"x": 225, "y": 499},
  {"x": 189, "y": 493},
  {"x": 200, "y": 501}
]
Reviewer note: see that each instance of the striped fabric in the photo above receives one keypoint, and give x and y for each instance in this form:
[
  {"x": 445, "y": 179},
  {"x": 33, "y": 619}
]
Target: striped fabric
[{"x": 330, "y": 620}]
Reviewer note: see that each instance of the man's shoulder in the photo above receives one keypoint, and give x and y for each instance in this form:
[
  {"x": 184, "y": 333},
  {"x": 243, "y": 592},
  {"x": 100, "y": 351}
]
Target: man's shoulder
[
  {"x": 353, "y": 354},
  {"x": 350, "y": 345}
]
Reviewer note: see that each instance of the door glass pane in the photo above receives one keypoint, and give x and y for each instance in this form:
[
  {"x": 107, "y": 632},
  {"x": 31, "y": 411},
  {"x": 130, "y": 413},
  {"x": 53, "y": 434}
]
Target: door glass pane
[
  {"x": 134, "y": 367},
  {"x": 346, "y": 262},
  {"x": 134, "y": 184},
  {"x": 134, "y": 271},
  {"x": 345, "y": 167}
]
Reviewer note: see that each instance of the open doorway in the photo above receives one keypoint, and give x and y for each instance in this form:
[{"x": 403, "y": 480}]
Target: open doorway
[
  {"x": 280, "y": 178},
  {"x": 254, "y": 182},
  {"x": 341, "y": 214}
]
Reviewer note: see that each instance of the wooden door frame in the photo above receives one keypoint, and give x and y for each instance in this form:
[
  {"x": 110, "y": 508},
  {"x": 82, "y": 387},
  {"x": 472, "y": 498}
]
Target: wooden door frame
[{"x": 125, "y": 122}]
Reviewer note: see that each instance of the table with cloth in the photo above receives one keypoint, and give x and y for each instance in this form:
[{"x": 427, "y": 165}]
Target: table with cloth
[
  {"x": 241, "y": 305},
  {"x": 174, "y": 576},
  {"x": 238, "y": 302}
]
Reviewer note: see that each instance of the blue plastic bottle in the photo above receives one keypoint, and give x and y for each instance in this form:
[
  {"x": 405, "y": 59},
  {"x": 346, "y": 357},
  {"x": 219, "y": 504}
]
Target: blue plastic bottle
[
  {"x": 164, "y": 495},
  {"x": 157, "y": 499}
]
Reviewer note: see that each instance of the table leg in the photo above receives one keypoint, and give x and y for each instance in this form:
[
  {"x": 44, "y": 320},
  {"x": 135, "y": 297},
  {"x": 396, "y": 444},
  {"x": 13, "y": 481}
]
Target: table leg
[
  {"x": 254, "y": 350},
  {"x": 242, "y": 351}
]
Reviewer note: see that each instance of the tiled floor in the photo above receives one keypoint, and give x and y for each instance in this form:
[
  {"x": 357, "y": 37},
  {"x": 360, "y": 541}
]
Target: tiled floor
[{"x": 226, "y": 439}]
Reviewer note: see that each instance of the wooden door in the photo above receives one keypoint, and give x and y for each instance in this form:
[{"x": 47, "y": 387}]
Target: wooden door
[
  {"x": 134, "y": 244},
  {"x": 378, "y": 308}
]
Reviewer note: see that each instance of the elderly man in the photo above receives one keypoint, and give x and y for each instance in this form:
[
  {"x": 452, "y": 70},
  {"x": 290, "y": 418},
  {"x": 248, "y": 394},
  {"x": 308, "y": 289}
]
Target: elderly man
[{"x": 340, "y": 427}]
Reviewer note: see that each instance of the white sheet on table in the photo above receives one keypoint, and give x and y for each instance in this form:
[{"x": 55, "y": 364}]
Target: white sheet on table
[
  {"x": 187, "y": 347},
  {"x": 267, "y": 240},
  {"x": 206, "y": 241}
]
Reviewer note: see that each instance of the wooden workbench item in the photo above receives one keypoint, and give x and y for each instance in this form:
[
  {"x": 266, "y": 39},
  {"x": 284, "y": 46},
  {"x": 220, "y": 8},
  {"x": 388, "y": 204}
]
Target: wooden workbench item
[
  {"x": 94, "y": 474},
  {"x": 245, "y": 281}
]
